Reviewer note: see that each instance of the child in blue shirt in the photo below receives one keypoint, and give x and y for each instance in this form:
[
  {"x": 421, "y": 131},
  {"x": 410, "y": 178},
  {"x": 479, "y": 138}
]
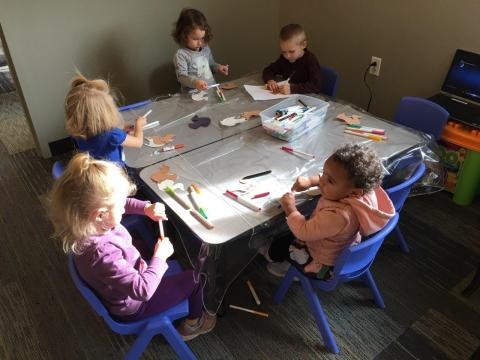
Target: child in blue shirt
[
  {"x": 193, "y": 60},
  {"x": 93, "y": 120}
]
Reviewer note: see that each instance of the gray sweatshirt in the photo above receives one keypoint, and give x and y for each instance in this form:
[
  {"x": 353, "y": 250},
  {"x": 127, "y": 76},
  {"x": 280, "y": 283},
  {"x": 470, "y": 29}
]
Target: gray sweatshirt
[{"x": 191, "y": 66}]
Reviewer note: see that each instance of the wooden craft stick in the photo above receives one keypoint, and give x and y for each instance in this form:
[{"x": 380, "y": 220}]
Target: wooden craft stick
[
  {"x": 201, "y": 219},
  {"x": 249, "y": 310},
  {"x": 254, "y": 293}
]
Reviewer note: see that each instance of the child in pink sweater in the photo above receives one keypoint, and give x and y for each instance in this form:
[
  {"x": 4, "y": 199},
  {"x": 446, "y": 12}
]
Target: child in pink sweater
[{"x": 352, "y": 205}]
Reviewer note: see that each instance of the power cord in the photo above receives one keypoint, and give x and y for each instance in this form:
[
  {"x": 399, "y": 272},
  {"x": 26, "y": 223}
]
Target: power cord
[{"x": 373, "y": 64}]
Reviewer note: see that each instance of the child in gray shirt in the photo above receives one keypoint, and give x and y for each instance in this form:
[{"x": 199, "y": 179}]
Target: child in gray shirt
[{"x": 193, "y": 60}]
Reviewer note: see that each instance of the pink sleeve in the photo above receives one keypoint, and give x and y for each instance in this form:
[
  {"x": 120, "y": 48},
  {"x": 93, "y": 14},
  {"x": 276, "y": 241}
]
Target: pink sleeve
[
  {"x": 118, "y": 273},
  {"x": 323, "y": 224},
  {"x": 135, "y": 206}
]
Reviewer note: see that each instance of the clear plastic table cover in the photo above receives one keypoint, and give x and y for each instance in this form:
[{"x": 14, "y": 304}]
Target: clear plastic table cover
[
  {"x": 225, "y": 250},
  {"x": 175, "y": 113}
]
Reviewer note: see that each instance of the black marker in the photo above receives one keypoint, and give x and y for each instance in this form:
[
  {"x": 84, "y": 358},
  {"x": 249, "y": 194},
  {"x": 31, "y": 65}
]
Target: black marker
[{"x": 256, "y": 175}]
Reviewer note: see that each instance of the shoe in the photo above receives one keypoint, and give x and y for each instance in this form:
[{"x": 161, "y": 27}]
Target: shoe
[
  {"x": 263, "y": 250},
  {"x": 278, "y": 269},
  {"x": 204, "y": 325}
]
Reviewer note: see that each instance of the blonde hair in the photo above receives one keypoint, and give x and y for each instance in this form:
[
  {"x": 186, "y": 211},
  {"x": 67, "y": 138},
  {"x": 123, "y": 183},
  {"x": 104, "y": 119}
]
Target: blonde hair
[
  {"x": 293, "y": 32},
  {"x": 85, "y": 186},
  {"x": 90, "y": 108}
]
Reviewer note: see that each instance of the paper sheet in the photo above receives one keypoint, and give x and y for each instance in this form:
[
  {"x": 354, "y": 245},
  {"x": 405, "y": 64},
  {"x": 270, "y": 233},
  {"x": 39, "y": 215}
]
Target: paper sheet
[{"x": 260, "y": 93}]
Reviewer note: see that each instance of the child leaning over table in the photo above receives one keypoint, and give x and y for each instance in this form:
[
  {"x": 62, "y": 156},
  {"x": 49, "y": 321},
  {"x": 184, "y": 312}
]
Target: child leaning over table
[
  {"x": 352, "y": 205},
  {"x": 296, "y": 64}
]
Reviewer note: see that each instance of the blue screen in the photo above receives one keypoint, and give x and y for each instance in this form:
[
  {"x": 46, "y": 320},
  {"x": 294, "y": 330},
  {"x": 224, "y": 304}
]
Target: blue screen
[{"x": 463, "y": 78}]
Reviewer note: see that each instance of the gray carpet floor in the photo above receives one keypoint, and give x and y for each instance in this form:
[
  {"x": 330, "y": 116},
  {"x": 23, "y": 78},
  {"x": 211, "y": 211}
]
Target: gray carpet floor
[{"x": 42, "y": 316}]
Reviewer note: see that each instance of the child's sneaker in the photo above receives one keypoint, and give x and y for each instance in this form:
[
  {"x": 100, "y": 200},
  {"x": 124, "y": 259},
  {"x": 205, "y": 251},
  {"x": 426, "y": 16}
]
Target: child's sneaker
[
  {"x": 204, "y": 325},
  {"x": 279, "y": 269}
]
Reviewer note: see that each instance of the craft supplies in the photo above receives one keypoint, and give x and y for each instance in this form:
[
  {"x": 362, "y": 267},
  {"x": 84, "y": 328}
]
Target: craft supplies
[
  {"x": 248, "y": 310},
  {"x": 193, "y": 194},
  {"x": 160, "y": 228},
  {"x": 296, "y": 118},
  {"x": 201, "y": 219},
  {"x": 172, "y": 147},
  {"x": 177, "y": 198},
  {"x": 163, "y": 174},
  {"x": 243, "y": 201},
  {"x": 212, "y": 86},
  {"x": 258, "y": 196},
  {"x": 366, "y": 129},
  {"x": 157, "y": 140},
  {"x": 150, "y": 125},
  {"x": 297, "y": 152},
  {"x": 366, "y": 135},
  {"x": 220, "y": 94},
  {"x": 256, "y": 175},
  {"x": 198, "y": 121},
  {"x": 200, "y": 95},
  {"x": 353, "y": 119},
  {"x": 147, "y": 113},
  {"x": 254, "y": 293}
]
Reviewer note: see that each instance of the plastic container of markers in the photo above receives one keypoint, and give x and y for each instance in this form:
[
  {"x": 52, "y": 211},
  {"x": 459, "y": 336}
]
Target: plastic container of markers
[{"x": 290, "y": 129}]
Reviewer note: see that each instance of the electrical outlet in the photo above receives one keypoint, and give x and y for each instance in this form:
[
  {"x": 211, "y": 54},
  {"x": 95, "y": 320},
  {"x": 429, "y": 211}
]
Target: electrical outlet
[{"x": 375, "y": 70}]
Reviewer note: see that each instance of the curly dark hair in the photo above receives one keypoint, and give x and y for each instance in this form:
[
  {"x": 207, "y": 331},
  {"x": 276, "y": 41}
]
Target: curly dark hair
[
  {"x": 189, "y": 20},
  {"x": 362, "y": 164}
]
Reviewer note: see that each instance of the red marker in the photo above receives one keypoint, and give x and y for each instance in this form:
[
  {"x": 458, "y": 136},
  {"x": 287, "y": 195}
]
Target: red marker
[
  {"x": 260, "y": 195},
  {"x": 243, "y": 201},
  {"x": 297, "y": 152}
]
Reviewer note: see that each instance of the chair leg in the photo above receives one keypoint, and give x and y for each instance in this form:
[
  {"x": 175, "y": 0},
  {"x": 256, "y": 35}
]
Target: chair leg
[
  {"x": 286, "y": 282},
  {"x": 176, "y": 342},
  {"x": 320, "y": 317},
  {"x": 377, "y": 296},
  {"x": 139, "y": 345},
  {"x": 401, "y": 240}
]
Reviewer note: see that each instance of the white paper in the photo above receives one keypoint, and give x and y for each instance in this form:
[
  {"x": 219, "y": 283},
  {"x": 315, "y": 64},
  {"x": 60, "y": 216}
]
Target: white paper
[{"x": 260, "y": 93}]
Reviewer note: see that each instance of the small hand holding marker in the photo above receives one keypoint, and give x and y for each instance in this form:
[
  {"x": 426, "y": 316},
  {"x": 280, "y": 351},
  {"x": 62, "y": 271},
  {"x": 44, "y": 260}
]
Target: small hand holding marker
[
  {"x": 288, "y": 203},
  {"x": 201, "y": 85},
  {"x": 223, "y": 69}
]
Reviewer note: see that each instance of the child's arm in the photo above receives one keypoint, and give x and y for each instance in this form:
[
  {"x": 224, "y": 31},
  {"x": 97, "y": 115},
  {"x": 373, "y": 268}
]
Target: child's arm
[
  {"x": 136, "y": 140},
  {"x": 181, "y": 62},
  {"x": 304, "y": 182},
  {"x": 314, "y": 82},
  {"x": 271, "y": 70}
]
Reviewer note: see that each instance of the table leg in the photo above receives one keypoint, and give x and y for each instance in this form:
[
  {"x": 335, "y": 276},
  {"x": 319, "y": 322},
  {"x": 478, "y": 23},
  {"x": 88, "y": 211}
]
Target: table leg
[{"x": 468, "y": 179}]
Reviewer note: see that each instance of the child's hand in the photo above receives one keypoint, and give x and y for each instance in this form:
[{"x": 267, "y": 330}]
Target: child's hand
[
  {"x": 140, "y": 122},
  {"x": 302, "y": 183},
  {"x": 128, "y": 128},
  {"x": 201, "y": 85},
  {"x": 155, "y": 211},
  {"x": 272, "y": 86},
  {"x": 288, "y": 203},
  {"x": 163, "y": 249},
  {"x": 284, "y": 89},
  {"x": 223, "y": 69}
]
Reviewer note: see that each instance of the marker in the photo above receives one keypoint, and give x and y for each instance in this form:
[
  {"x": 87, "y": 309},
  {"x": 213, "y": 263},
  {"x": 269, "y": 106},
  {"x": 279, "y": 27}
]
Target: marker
[
  {"x": 297, "y": 152},
  {"x": 260, "y": 195},
  {"x": 256, "y": 175},
  {"x": 248, "y": 310},
  {"x": 365, "y": 135},
  {"x": 196, "y": 188},
  {"x": 254, "y": 293},
  {"x": 361, "y": 131},
  {"x": 177, "y": 198},
  {"x": 303, "y": 104},
  {"x": 366, "y": 129},
  {"x": 160, "y": 228},
  {"x": 201, "y": 220},
  {"x": 147, "y": 113},
  {"x": 195, "y": 201},
  {"x": 150, "y": 125},
  {"x": 211, "y": 86},
  {"x": 243, "y": 201},
  {"x": 173, "y": 147}
]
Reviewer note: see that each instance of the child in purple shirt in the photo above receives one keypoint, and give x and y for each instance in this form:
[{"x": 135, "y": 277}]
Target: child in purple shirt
[
  {"x": 93, "y": 120},
  {"x": 88, "y": 202}
]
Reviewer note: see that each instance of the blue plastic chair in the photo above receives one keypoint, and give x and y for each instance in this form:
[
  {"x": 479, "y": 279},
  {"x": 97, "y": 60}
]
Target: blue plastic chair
[
  {"x": 146, "y": 329},
  {"x": 354, "y": 262},
  {"x": 57, "y": 169},
  {"x": 422, "y": 114},
  {"x": 330, "y": 79},
  {"x": 398, "y": 194}
]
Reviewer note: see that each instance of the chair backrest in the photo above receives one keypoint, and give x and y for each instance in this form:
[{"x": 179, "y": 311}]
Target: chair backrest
[
  {"x": 399, "y": 193},
  {"x": 422, "y": 114},
  {"x": 355, "y": 260},
  {"x": 57, "y": 169},
  {"x": 86, "y": 292},
  {"x": 330, "y": 79}
]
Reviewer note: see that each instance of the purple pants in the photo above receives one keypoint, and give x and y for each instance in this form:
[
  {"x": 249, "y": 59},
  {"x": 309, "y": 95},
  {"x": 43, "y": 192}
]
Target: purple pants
[{"x": 172, "y": 290}]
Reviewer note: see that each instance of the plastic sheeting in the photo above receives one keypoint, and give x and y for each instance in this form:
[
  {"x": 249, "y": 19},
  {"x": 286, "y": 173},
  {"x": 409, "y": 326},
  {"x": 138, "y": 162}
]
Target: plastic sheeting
[{"x": 216, "y": 158}]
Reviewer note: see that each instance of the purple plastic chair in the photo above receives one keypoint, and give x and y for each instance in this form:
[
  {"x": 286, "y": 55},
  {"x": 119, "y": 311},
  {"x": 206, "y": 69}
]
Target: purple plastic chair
[
  {"x": 330, "y": 80},
  {"x": 354, "y": 262},
  {"x": 146, "y": 329},
  {"x": 422, "y": 114},
  {"x": 398, "y": 194}
]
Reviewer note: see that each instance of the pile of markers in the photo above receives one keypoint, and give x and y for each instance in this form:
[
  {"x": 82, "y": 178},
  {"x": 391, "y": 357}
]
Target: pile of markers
[
  {"x": 220, "y": 94},
  {"x": 366, "y": 132},
  {"x": 286, "y": 118}
]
